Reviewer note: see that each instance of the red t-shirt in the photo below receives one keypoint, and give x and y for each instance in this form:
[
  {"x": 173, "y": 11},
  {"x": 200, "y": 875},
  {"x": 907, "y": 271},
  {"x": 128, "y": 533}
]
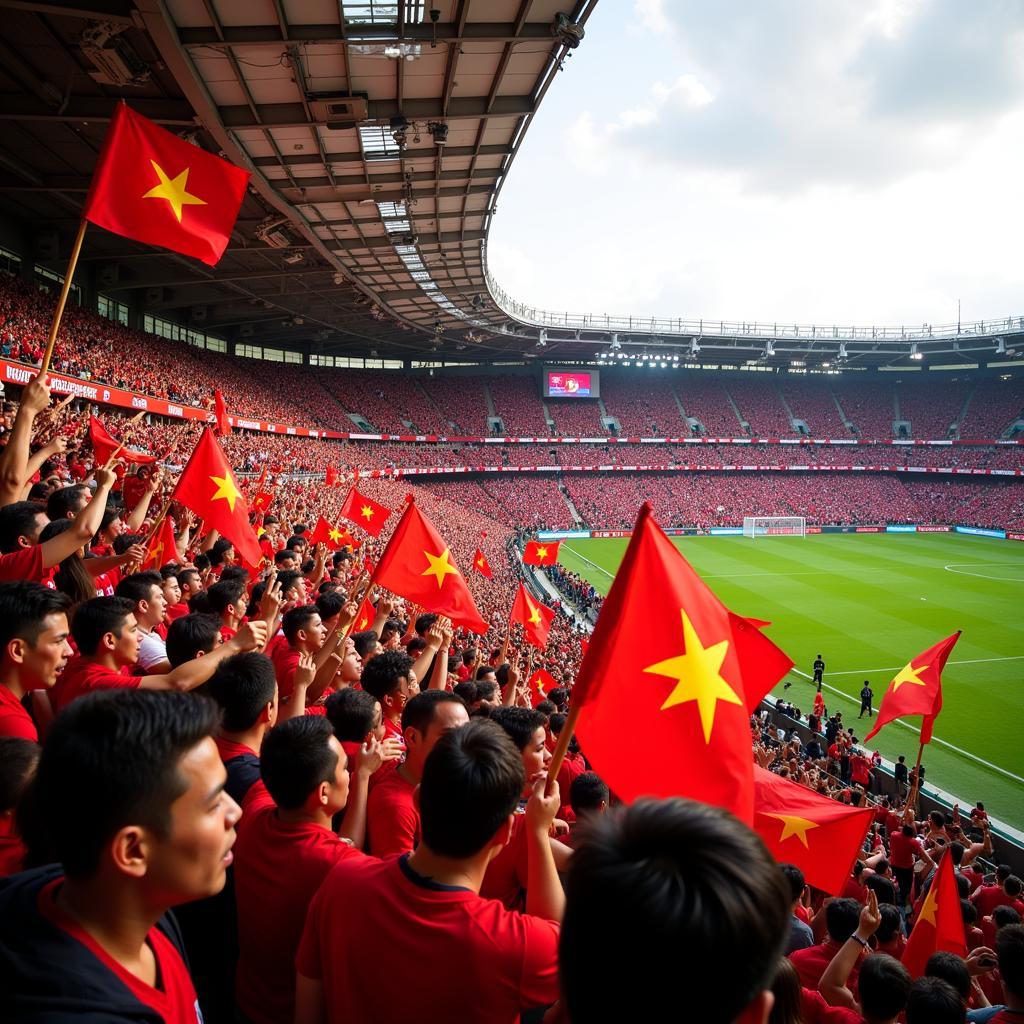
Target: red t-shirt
[
  {"x": 507, "y": 874},
  {"x": 176, "y": 611},
  {"x": 12, "y": 849},
  {"x": 392, "y": 821},
  {"x": 988, "y": 897},
  {"x": 278, "y": 869},
  {"x": 83, "y": 676},
  {"x": 23, "y": 564},
  {"x": 175, "y": 999},
  {"x": 902, "y": 850},
  {"x": 484, "y": 964},
  {"x": 15, "y": 721},
  {"x": 816, "y": 1011},
  {"x": 811, "y": 962},
  {"x": 286, "y": 661}
]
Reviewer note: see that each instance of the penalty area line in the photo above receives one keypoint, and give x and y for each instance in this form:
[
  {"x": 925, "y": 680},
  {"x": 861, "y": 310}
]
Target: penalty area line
[{"x": 907, "y": 725}]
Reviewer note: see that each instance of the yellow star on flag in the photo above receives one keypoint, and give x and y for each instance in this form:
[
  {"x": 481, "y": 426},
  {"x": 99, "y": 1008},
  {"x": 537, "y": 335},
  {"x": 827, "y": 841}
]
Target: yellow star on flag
[
  {"x": 227, "y": 490},
  {"x": 439, "y": 567},
  {"x": 174, "y": 190},
  {"x": 930, "y": 907},
  {"x": 155, "y": 554},
  {"x": 909, "y": 674},
  {"x": 534, "y": 613},
  {"x": 542, "y": 552},
  {"x": 334, "y": 534},
  {"x": 362, "y": 623},
  {"x": 794, "y": 825},
  {"x": 366, "y": 512},
  {"x": 480, "y": 562},
  {"x": 697, "y": 672}
]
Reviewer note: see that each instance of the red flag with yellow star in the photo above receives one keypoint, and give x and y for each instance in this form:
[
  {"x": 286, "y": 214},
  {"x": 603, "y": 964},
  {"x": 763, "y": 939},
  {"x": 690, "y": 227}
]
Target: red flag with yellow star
[
  {"x": 163, "y": 548},
  {"x": 364, "y": 617},
  {"x": 104, "y": 445},
  {"x": 670, "y": 659},
  {"x": 820, "y": 836},
  {"x": 365, "y": 512},
  {"x": 418, "y": 566},
  {"x": 939, "y": 925},
  {"x": 539, "y": 552},
  {"x": 917, "y": 689},
  {"x": 324, "y": 533},
  {"x": 208, "y": 487},
  {"x": 481, "y": 564},
  {"x": 540, "y": 684},
  {"x": 534, "y": 617},
  {"x": 151, "y": 186},
  {"x": 261, "y": 501}
]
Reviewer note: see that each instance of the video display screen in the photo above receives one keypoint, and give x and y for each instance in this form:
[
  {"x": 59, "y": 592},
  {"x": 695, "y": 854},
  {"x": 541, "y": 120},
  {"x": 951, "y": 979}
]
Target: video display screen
[{"x": 570, "y": 384}]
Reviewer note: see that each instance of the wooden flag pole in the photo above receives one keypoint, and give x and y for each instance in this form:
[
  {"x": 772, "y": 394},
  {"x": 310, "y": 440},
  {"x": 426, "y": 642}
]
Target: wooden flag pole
[
  {"x": 62, "y": 301},
  {"x": 912, "y": 795},
  {"x": 562, "y": 747}
]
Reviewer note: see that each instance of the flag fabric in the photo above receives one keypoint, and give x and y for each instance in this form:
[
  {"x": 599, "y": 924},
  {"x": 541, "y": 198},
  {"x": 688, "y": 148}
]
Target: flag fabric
[
  {"x": 364, "y": 617},
  {"x": 104, "y": 444},
  {"x": 155, "y": 188},
  {"x": 222, "y": 425},
  {"x": 540, "y": 552},
  {"x": 917, "y": 689},
  {"x": 208, "y": 487},
  {"x": 481, "y": 564},
  {"x": 330, "y": 536},
  {"x": 346, "y": 540},
  {"x": 820, "y": 836},
  {"x": 534, "y": 617},
  {"x": 541, "y": 683},
  {"x": 668, "y": 657},
  {"x": 331, "y": 476},
  {"x": 163, "y": 548},
  {"x": 365, "y": 512},
  {"x": 939, "y": 925},
  {"x": 417, "y": 565},
  {"x": 261, "y": 501}
]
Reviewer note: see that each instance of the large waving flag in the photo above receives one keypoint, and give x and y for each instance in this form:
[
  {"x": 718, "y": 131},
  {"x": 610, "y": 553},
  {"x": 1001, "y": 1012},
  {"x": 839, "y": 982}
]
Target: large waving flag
[
  {"x": 917, "y": 689},
  {"x": 939, "y": 925},
  {"x": 534, "y": 617},
  {"x": 669, "y": 657},
  {"x": 104, "y": 444},
  {"x": 151, "y": 186},
  {"x": 329, "y": 536},
  {"x": 539, "y": 552},
  {"x": 209, "y": 488},
  {"x": 365, "y": 512},
  {"x": 163, "y": 546},
  {"x": 418, "y": 566},
  {"x": 820, "y": 836}
]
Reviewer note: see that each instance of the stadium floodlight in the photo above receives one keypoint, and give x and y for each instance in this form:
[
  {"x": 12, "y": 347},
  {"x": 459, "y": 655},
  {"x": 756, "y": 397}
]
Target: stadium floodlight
[
  {"x": 616, "y": 344},
  {"x": 1000, "y": 346},
  {"x": 914, "y": 353},
  {"x": 769, "y": 348},
  {"x": 694, "y": 348},
  {"x": 843, "y": 354}
]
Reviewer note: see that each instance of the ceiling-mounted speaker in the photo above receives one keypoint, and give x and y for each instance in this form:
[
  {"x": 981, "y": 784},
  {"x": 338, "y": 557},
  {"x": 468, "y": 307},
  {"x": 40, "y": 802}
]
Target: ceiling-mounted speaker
[
  {"x": 47, "y": 245},
  {"x": 108, "y": 275}
]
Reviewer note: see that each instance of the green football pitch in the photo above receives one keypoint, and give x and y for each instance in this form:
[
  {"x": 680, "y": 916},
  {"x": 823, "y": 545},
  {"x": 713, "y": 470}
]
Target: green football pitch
[{"x": 868, "y": 604}]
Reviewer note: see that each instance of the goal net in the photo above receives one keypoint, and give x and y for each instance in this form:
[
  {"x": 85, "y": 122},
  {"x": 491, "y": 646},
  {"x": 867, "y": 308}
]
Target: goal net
[{"x": 774, "y": 526}]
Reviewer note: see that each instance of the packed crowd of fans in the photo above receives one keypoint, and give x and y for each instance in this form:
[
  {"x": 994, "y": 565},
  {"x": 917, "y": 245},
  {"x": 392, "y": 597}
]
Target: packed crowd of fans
[{"x": 320, "y": 799}]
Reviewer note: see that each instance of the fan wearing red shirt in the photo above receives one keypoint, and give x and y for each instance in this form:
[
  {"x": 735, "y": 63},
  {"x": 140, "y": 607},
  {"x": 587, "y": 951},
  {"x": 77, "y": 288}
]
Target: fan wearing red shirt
[
  {"x": 987, "y": 897},
  {"x": 286, "y": 847},
  {"x": 18, "y": 759},
  {"x": 34, "y": 650},
  {"x": 429, "y": 901},
  {"x": 393, "y": 822},
  {"x": 304, "y": 633},
  {"x": 841, "y": 918},
  {"x": 164, "y": 837},
  {"x": 229, "y": 601},
  {"x": 1010, "y": 953},
  {"x": 390, "y": 678},
  {"x": 883, "y": 985},
  {"x": 107, "y": 638},
  {"x": 507, "y": 875},
  {"x": 904, "y": 849}
]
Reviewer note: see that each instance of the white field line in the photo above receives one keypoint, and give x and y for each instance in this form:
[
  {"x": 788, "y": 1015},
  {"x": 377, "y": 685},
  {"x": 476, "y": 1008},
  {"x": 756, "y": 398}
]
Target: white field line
[
  {"x": 959, "y": 568},
  {"x": 935, "y": 739},
  {"x": 896, "y": 668}
]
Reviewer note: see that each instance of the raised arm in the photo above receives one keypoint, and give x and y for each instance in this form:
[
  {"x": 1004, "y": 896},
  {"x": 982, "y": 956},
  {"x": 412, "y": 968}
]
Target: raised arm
[
  {"x": 833, "y": 984},
  {"x": 14, "y": 458}
]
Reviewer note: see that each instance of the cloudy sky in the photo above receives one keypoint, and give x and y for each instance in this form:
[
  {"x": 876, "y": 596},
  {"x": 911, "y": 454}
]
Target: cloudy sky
[{"x": 810, "y": 161}]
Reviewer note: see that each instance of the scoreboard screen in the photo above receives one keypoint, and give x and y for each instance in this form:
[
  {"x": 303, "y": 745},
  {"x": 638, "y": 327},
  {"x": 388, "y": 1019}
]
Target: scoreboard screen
[{"x": 570, "y": 384}]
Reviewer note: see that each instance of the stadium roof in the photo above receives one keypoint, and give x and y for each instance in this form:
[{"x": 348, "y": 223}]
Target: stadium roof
[{"x": 379, "y": 136}]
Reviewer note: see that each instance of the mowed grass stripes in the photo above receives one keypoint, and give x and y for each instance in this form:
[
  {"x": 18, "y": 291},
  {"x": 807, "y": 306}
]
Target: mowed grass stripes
[{"x": 868, "y": 603}]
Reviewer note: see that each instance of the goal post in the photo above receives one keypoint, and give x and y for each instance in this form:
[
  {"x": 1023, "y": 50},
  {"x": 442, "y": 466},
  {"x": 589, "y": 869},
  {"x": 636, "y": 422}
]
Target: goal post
[{"x": 774, "y": 526}]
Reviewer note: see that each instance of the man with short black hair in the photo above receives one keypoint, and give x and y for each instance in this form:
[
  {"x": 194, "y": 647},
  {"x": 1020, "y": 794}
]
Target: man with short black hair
[
  {"x": 841, "y": 918},
  {"x": 145, "y": 590},
  {"x": 191, "y": 636},
  {"x": 393, "y": 821},
  {"x": 107, "y": 638},
  {"x": 429, "y": 901},
  {"x": 934, "y": 1001},
  {"x": 693, "y": 889},
  {"x": 800, "y": 934},
  {"x": 128, "y": 808},
  {"x": 286, "y": 847},
  {"x": 391, "y": 679},
  {"x": 34, "y": 650}
]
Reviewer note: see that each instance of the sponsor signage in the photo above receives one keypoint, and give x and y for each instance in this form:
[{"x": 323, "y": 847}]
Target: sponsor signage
[
  {"x": 934, "y": 529},
  {"x": 901, "y": 529},
  {"x": 726, "y": 531},
  {"x": 1015, "y": 536},
  {"x": 977, "y": 531}
]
